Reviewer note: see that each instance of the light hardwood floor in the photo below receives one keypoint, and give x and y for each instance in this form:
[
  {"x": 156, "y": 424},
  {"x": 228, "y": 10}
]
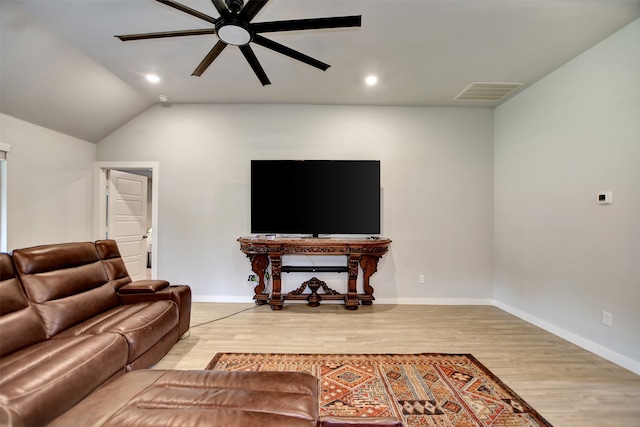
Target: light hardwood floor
[{"x": 567, "y": 385}]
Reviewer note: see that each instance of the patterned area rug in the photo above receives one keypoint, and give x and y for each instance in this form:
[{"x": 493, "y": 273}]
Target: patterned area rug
[{"x": 452, "y": 390}]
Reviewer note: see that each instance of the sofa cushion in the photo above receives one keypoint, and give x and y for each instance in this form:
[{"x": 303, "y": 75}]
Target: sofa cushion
[
  {"x": 200, "y": 398},
  {"x": 180, "y": 294},
  {"x": 113, "y": 263},
  {"x": 66, "y": 282},
  {"x": 42, "y": 381},
  {"x": 142, "y": 324},
  {"x": 20, "y": 326},
  {"x": 62, "y": 313}
]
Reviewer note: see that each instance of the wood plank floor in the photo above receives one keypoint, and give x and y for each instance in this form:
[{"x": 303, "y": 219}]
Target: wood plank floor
[{"x": 569, "y": 386}]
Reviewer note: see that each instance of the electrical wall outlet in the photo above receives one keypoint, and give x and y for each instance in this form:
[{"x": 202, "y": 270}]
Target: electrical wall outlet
[
  {"x": 607, "y": 318},
  {"x": 421, "y": 279}
]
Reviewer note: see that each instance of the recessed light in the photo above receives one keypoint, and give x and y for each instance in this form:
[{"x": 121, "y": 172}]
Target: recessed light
[
  {"x": 371, "y": 80},
  {"x": 153, "y": 78}
]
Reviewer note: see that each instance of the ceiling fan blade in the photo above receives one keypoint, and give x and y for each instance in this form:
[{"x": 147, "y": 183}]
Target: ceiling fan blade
[
  {"x": 307, "y": 24},
  {"x": 188, "y": 10},
  {"x": 221, "y": 7},
  {"x": 164, "y": 34},
  {"x": 251, "y": 9},
  {"x": 255, "y": 65},
  {"x": 213, "y": 54},
  {"x": 270, "y": 44}
]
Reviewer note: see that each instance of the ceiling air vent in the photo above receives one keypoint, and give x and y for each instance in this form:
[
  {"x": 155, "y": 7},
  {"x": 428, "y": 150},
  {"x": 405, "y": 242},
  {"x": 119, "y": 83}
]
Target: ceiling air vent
[{"x": 488, "y": 91}]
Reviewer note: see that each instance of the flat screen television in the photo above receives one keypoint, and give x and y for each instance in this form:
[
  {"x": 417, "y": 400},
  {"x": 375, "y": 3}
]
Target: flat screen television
[{"x": 315, "y": 197}]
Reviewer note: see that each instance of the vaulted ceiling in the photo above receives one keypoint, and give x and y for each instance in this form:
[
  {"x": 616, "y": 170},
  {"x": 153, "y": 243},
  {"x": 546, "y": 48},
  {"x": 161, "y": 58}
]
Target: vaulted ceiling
[{"x": 61, "y": 66}]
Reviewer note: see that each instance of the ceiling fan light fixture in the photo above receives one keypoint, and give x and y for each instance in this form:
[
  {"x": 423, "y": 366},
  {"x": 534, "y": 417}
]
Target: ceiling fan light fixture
[{"x": 233, "y": 32}]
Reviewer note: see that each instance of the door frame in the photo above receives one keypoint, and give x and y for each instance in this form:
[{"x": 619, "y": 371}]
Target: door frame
[{"x": 100, "y": 203}]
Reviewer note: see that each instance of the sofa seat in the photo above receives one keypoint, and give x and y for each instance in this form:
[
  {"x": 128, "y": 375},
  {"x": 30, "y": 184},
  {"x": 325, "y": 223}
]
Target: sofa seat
[
  {"x": 200, "y": 398},
  {"x": 179, "y": 294},
  {"x": 143, "y": 324},
  {"x": 54, "y": 375}
]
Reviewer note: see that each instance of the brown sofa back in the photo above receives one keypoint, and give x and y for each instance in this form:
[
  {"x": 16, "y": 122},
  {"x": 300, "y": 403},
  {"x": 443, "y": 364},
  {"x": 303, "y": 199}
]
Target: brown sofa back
[
  {"x": 114, "y": 264},
  {"x": 20, "y": 326},
  {"x": 66, "y": 282}
]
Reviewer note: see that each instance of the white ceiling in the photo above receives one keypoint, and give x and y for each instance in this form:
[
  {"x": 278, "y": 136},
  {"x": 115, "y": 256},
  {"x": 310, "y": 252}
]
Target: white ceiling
[{"x": 62, "y": 67}]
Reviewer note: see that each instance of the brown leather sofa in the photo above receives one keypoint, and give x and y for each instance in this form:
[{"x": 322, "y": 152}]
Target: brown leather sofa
[
  {"x": 75, "y": 332},
  {"x": 66, "y": 327}
]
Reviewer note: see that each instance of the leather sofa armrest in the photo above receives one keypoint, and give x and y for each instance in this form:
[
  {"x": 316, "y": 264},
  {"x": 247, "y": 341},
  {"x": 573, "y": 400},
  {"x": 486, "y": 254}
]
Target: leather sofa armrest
[
  {"x": 143, "y": 286},
  {"x": 359, "y": 421}
]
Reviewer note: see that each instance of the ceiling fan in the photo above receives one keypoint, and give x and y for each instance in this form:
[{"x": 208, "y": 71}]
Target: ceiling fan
[{"x": 234, "y": 27}]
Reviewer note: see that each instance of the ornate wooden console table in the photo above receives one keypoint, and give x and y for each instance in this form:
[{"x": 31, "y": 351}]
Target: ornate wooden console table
[{"x": 363, "y": 252}]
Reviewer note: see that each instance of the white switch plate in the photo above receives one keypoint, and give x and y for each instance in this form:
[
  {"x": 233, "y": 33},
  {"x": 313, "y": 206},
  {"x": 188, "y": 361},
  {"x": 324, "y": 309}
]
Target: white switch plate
[
  {"x": 607, "y": 318},
  {"x": 421, "y": 278}
]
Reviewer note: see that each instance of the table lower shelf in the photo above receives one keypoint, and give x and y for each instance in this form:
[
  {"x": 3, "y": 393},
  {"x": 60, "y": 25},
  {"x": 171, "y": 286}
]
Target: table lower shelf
[
  {"x": 364, "y": 299},
  {"x": 314, "y": 297}
]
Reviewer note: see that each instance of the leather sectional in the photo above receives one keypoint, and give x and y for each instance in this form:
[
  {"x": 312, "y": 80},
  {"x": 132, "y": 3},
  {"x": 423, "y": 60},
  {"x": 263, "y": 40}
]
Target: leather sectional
[
  {"x": 71, "y": 320},
  {"x": 76, "y": 334}
]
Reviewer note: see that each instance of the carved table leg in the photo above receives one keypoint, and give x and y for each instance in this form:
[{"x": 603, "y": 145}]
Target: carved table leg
[
  {"x": 276, "y": 296},
  {"x": 259, "y": 264},
  {"x": 369, "y": 266},
  {"x": 351, "y": 301}
]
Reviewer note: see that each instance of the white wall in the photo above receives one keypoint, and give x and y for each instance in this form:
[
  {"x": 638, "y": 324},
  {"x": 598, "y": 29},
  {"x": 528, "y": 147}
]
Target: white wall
[
  {"x": 49, "y": 185},
  {"x": 561, "y": 259},
  {"x": 437, "y": 173}
]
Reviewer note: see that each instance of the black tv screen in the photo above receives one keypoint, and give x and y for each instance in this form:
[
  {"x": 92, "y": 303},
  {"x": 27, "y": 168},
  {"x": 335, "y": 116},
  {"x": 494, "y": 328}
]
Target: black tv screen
[{"x": 315, "y": 197}]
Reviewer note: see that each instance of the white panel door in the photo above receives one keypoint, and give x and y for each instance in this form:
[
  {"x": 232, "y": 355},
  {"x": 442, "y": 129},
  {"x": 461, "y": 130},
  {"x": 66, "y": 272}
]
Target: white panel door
[{"x": 127, "y": 219}]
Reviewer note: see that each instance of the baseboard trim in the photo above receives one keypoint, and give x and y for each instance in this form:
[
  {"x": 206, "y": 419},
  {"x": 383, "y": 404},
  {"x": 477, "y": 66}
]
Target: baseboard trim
[
  {"x": 394, "y": 301},
  {"x": 578, "y": 340},
  {"x": 224, "y": 298},
  {"x": 435, "y": 301}
]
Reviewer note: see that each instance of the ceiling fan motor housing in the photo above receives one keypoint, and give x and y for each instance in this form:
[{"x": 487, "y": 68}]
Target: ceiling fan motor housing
[{"x": 235, "y": 5}]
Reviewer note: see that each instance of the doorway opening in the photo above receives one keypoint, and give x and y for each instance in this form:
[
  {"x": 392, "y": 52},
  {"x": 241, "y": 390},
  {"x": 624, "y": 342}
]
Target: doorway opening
[{"x": 101, "y": 215}]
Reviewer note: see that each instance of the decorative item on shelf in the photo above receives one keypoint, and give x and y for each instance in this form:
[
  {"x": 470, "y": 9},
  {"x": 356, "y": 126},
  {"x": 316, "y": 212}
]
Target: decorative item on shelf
[{"x": 314, "y": 284}]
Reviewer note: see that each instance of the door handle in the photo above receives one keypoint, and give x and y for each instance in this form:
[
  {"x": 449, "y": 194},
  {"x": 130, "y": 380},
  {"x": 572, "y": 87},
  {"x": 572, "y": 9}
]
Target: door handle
[{"x": 145, "y": 236}]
